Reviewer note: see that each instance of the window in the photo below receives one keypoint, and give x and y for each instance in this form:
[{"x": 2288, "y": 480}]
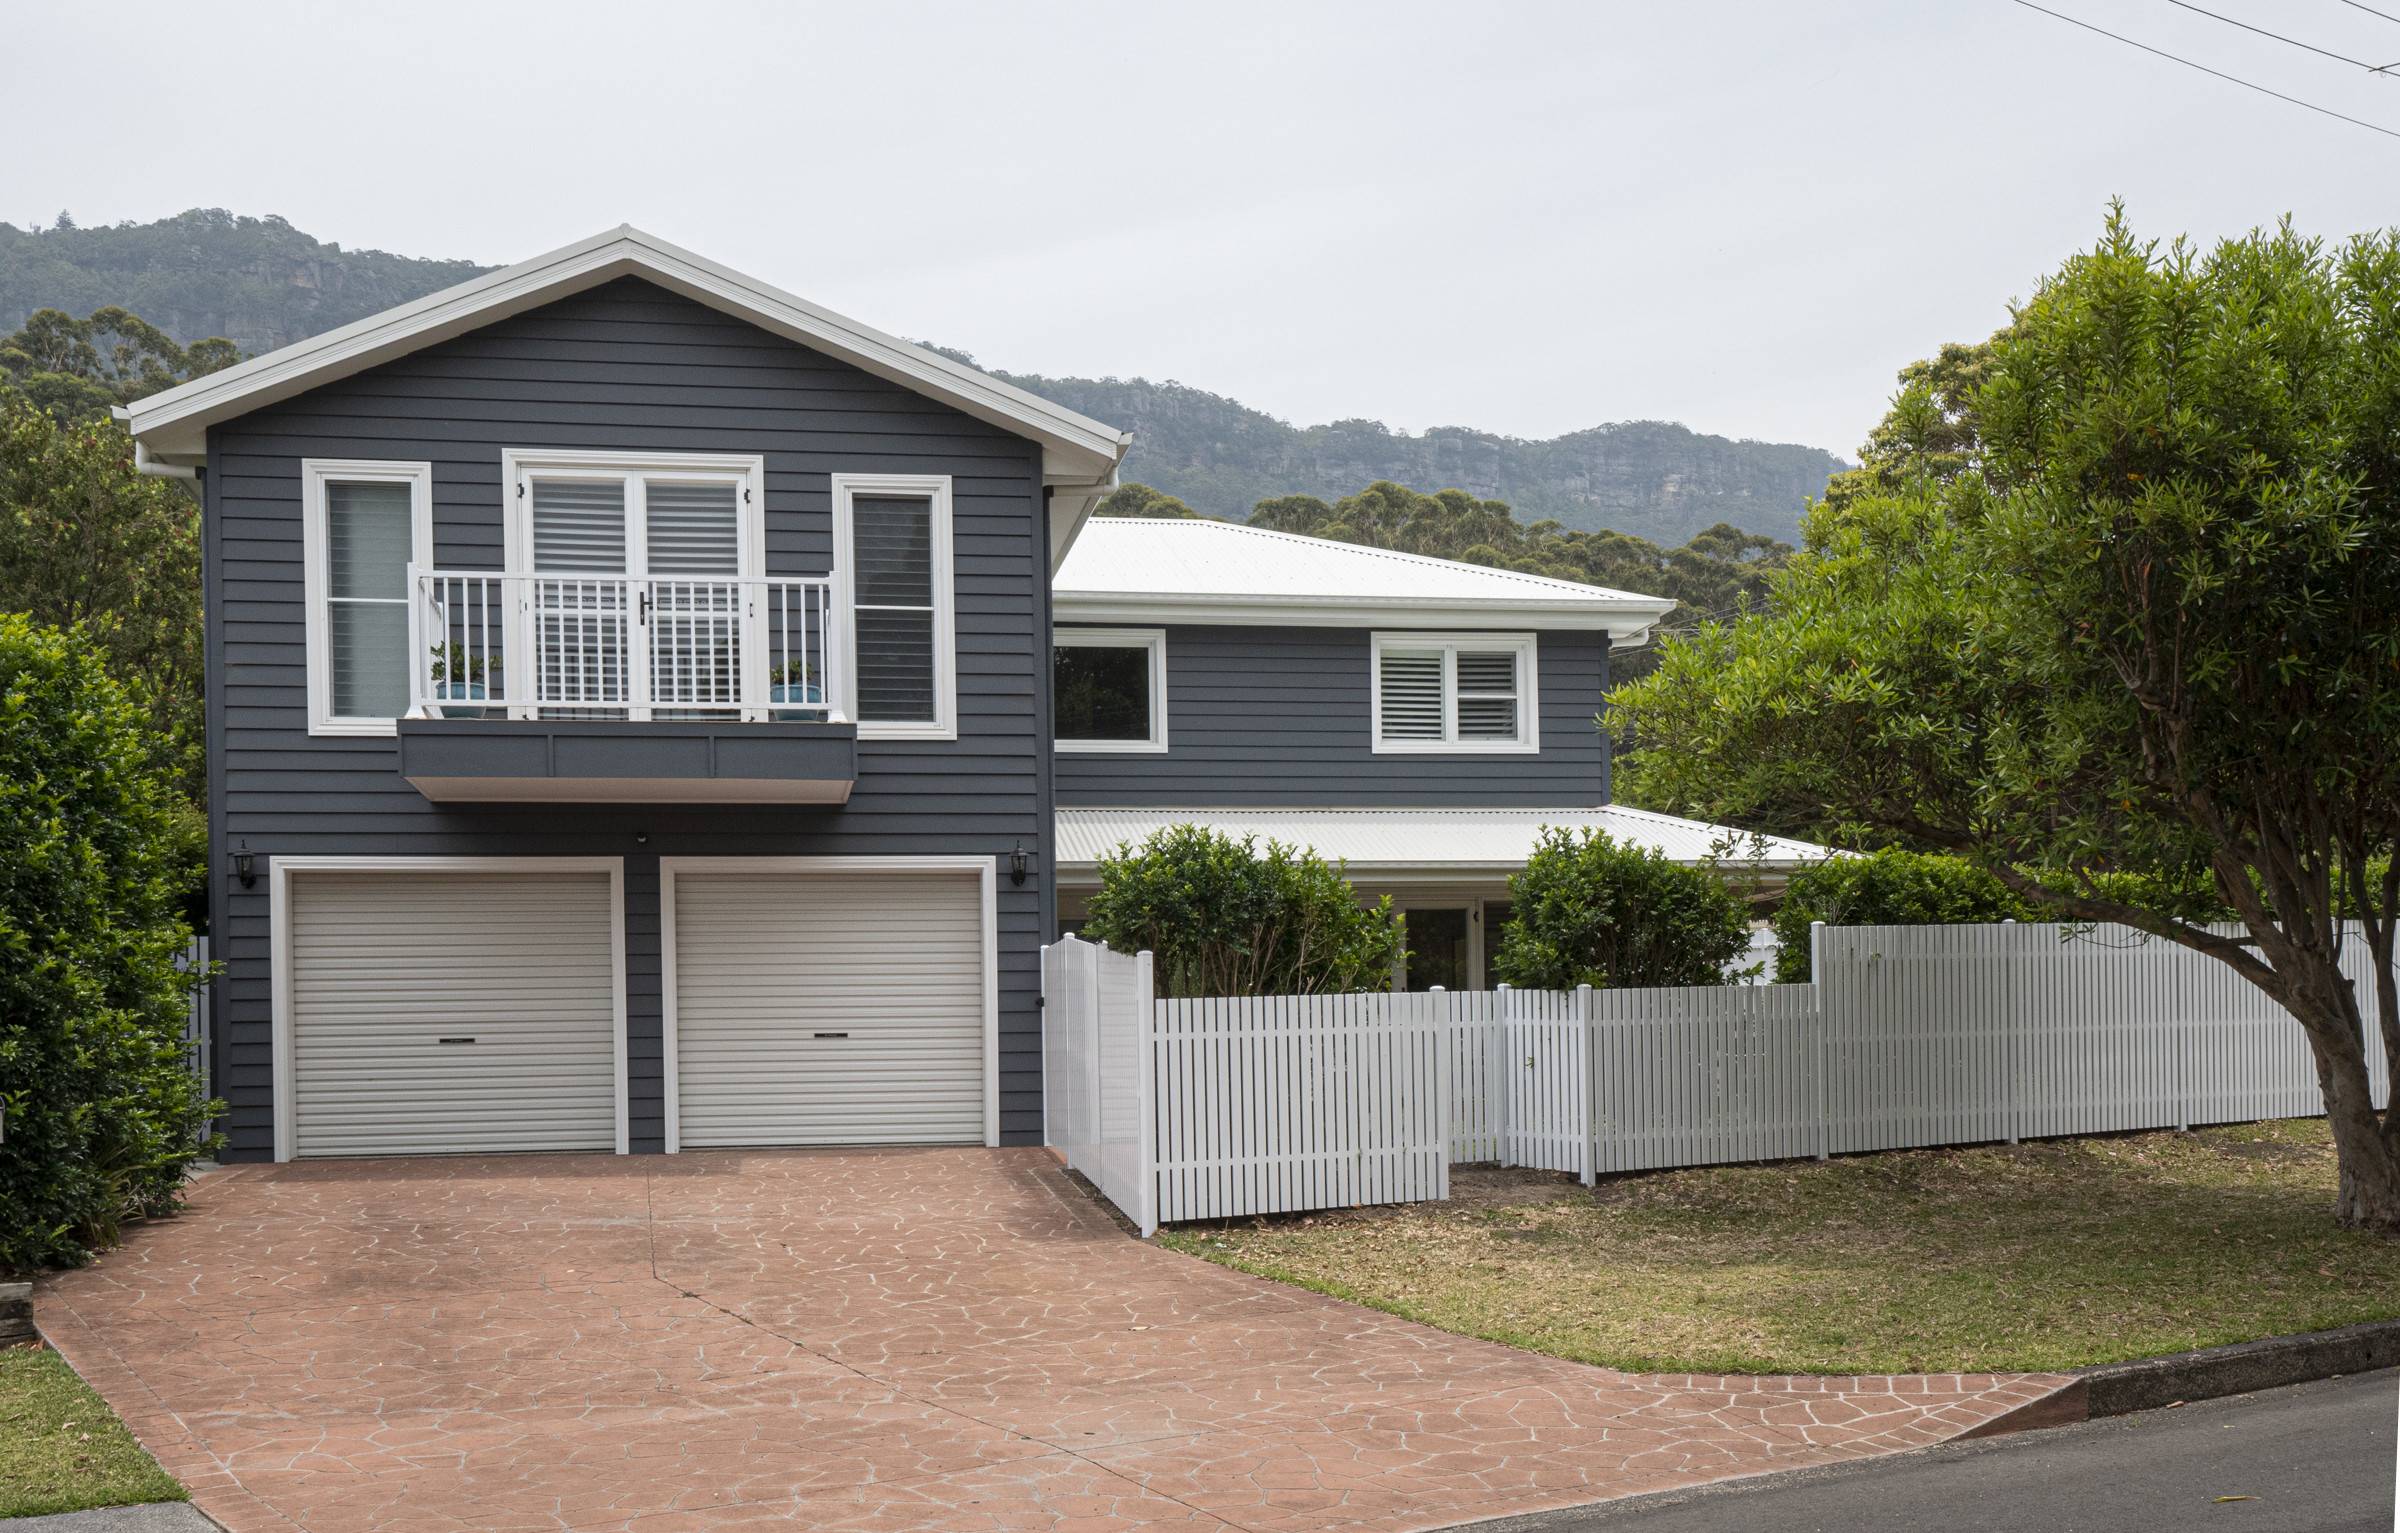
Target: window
[
  {"x": 361, "y": 525},
  {"x": 1455, "y": 693},
  {"x": 1108, "y": 689},
  {"x": 892, "y": 536},
  {"x": 669, "y": 635}
]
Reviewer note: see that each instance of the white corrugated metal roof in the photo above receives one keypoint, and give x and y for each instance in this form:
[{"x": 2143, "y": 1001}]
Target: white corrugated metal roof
[
  {"x": 1126, "y": 569},
  {"x": 1432, "y": 840}
]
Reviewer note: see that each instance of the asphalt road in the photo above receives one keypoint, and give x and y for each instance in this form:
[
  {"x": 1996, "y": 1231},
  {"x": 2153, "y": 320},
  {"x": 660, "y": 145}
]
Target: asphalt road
[{"x": 2314, "y": 1458}]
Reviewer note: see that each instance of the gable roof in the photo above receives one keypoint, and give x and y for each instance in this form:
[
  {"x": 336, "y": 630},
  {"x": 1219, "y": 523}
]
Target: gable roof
[
  {"x": 1079, "y": 454},
  {"x": 1137, "y": 569}
]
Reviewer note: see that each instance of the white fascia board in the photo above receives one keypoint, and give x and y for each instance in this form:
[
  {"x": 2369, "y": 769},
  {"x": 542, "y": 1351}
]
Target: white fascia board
[
  {"x": 174, "y": 423},
  {"x": 1627, "y": 621}
]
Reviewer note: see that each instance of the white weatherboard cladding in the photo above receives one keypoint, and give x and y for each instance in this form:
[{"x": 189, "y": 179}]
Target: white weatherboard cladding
[
  {"x": 834, "y": 1007},
  {"x": 384, "y": 966}
]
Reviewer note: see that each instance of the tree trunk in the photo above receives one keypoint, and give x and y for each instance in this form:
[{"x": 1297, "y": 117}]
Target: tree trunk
[{"x": 2364, "y": 1141}]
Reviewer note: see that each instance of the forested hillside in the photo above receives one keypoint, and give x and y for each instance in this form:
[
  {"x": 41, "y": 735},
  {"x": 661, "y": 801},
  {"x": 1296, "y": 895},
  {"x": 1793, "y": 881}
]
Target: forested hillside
[
  {"x": 261, "y": 283},
  {"x": 258, "y": 282}
]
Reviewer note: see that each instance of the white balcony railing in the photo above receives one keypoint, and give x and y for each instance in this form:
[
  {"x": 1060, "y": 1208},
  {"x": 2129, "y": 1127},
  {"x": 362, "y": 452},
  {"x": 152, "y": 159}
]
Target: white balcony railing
[{"x": 497, "y": 646}]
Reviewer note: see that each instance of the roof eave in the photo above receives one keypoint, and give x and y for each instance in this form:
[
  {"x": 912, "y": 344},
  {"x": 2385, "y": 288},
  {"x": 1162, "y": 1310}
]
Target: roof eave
[{"x": 1621, "y": 620}]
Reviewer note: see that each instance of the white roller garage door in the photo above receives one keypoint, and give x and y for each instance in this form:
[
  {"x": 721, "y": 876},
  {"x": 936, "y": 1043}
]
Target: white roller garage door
[
  {"x": 458, "y": 1010},
  {"x": 836, "y": 1007}
]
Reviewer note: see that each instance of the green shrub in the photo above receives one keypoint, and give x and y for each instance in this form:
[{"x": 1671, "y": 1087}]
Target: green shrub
[
  {"x": 1592, "y": 910},
  {"x": 1220, "y": 917},
  {"x": 102, "y": 1113},
  {"x": 1888, "y": 888}
]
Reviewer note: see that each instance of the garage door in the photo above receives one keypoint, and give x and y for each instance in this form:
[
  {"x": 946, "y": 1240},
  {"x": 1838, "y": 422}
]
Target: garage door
[
  {"x": 450, "y": 1011},
  {"x": 829, "y": 1008}
]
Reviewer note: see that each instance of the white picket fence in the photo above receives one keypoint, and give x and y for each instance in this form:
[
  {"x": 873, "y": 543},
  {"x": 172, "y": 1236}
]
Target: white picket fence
[
  {"x": 1908, "y": 1036},
  {"x": 195, "y": 1016}
]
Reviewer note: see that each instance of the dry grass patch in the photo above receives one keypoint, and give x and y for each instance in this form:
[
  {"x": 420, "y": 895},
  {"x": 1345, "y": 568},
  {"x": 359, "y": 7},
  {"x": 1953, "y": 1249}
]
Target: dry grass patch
[{"x": 2037, "y": 1256}]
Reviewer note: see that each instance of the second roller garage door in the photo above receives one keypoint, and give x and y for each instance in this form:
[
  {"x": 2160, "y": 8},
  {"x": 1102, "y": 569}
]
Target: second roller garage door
[{"x": 836, "y": 1007}]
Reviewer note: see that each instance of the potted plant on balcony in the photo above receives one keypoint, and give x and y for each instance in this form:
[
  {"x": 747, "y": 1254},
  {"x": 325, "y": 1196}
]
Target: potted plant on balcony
[
  {"x": 794, "y": 686},
  {"x": 458, "y": 676}
]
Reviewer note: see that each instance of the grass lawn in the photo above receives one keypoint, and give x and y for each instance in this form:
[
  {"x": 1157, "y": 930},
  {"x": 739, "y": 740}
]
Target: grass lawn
[
  {"x": 2038, "y": 1256},
  {"x": 61, "y": 1448}
]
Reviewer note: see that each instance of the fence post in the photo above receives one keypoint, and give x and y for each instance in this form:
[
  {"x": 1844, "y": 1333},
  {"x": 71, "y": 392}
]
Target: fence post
[
  {"x": 1445, "y": 1039},
  {"x": 1145, "y": 1089},
  {"x": 1088, "y": 1008},
  {"x": 1824, "y": 1020},
  {"x": 1591, "y": 1084},
  {"x": 1500, "y": 1080}
]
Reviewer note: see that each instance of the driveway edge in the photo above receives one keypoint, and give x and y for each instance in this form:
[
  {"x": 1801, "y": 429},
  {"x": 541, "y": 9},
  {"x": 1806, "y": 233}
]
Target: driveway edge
[{"x": 2245, "y": 1367}]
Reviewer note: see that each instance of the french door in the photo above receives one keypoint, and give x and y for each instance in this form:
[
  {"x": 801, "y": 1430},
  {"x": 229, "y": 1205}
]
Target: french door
[{"x": 638, "y": 602}]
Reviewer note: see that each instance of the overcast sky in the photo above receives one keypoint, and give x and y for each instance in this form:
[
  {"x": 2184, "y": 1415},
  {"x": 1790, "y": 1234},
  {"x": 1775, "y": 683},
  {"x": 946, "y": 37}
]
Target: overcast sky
[{"x": 1527, "y": 218}]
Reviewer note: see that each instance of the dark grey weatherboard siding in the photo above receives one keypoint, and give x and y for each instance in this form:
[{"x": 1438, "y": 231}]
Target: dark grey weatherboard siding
[
  {"x": 1262, "y": 716},
  {"x": 625, "y": 366}
]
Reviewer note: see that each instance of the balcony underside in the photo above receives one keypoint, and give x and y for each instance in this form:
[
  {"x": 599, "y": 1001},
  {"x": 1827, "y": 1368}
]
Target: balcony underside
[{"x": 515, "y": 761}]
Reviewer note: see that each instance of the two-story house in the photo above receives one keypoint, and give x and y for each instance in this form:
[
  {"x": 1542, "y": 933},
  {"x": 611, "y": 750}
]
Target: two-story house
[
  {"x": 631, "y": 717},
  {"x": 1420, "y": 720}
]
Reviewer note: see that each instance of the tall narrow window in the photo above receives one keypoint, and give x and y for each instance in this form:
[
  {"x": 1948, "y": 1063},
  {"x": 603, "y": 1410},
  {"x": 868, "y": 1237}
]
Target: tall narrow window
[
  {"x": 894, "y": 534},
  {"x": 362, "y": 524},
  {"x": 1455, "y": 693}
]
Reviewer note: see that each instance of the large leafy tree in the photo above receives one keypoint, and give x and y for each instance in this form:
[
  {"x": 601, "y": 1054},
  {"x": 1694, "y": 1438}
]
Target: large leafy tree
[
  {"x": 86, "y": 541},
  {"x": 75, "y": 368},
  {"x": 2155, "y": 630}
]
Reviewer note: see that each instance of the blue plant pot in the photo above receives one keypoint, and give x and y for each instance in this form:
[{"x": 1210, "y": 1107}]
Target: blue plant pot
[
  {"x": 795, "y": 692},
  {"x": 462, "y": 691}
]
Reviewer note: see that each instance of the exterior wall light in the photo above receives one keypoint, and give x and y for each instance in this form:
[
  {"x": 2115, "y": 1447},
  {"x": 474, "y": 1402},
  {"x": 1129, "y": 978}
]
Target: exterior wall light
[{"x": 1016, "y": 865}]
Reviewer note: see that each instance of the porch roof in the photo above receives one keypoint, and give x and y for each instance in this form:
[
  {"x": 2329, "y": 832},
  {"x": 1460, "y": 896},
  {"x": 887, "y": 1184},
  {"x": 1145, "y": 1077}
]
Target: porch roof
[{"x": 1426, "y": 842}]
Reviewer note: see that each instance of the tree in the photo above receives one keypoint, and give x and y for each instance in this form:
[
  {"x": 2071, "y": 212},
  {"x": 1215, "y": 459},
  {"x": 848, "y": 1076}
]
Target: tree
[
  {"x": 1892, "y": 887},
  {"x": 103, "y": 1115},
  {"x": 75, "y": 368},
  {"x": 1934, "y": 429},
  {"x": 1141, "y": 500},
  {"x": 1589, "y": 909},
  {"x": 2155, "y": 632},
  {"x": 84, "y": 539},
  {"x": 1220, "y": 917}
]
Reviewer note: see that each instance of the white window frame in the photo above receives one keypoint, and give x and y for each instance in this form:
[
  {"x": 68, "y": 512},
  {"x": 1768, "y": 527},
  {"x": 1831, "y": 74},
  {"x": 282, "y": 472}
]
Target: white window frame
[
  {"x": 283, "y": 1052},
  {"x": 936, "y": 489},
  {"x": 1151, "y": 640},
  {"x": 316, "y": 580},
  {"x": 747, "y": 472},
  {"x": 1529, "y": 702}
]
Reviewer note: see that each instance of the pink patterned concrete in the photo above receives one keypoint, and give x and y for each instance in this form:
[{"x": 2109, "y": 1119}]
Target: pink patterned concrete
[{"x": 868, "y": 1340}]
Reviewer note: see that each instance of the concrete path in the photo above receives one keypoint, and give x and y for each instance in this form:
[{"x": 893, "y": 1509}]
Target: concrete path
[
  {"x": 951, "y": 1339},
  {"x": 2313, "y": 1458},
  {"x": 157, "y": 1517}
]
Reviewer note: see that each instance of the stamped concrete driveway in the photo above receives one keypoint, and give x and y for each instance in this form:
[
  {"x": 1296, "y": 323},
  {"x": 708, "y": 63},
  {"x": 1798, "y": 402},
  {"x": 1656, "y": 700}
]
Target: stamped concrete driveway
[{"x": 895, "y": 1339}]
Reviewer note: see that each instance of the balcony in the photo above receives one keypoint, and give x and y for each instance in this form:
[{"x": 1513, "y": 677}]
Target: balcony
[{"x": 614, "y": 689}]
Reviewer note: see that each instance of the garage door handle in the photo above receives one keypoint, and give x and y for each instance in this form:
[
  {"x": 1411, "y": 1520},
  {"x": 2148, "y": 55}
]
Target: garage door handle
[
  {"x": 454, "y": 1040},
  {"x": 833, "y": 1035}
]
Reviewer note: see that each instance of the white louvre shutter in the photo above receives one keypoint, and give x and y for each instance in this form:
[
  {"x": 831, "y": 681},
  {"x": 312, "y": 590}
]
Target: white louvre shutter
[
  {"x": 829, "y": 1008},
  {"x": 579, "y": 525},
  {"x": 1487, "y": 694},
  {"x": 1412, "y": 695},
  {"x": 447, "y": 1011},
  {"x": 693, "y": 529}
]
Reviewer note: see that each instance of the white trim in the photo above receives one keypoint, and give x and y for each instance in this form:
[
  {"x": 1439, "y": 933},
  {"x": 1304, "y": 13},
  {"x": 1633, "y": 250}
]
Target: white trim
[
  {"x": 315, "y": 475},
  {"x": 279, "y": 957},
  {"x": 1153, "y": 640},
  {"x": 987, "y": 870},
  {"x": 172, "y": 425},
  {"x": 936, "y": 488},
  {"x": 1529, "y": 702},
  {"x": 1629, "y": 626}
]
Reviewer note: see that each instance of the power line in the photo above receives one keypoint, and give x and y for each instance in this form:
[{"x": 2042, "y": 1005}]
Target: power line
[
  {"x": 2370, "y": 10},
  {"x": 2343, "y": 58},
  {"x": 2323, "y": 111}
]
